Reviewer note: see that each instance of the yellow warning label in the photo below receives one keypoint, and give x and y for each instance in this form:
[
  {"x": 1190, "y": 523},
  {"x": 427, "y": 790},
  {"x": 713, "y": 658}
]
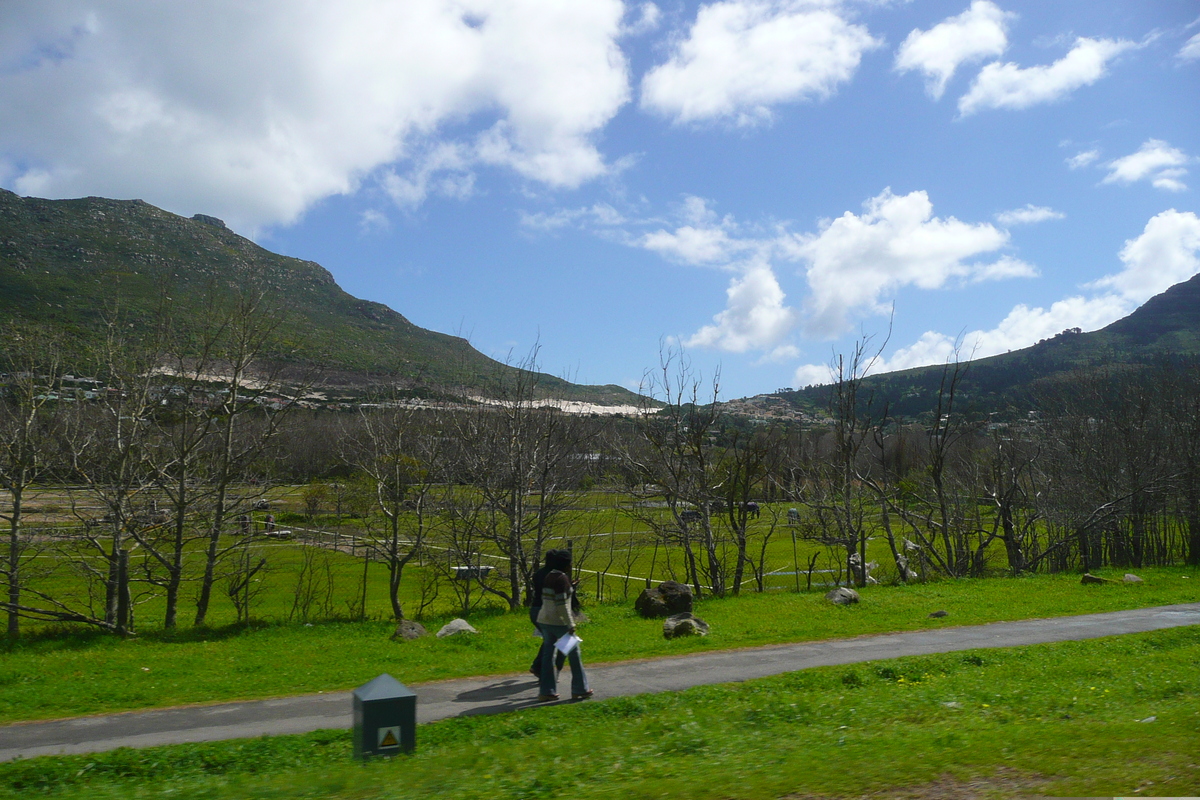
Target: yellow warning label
[{"x": 389, "y": 737}]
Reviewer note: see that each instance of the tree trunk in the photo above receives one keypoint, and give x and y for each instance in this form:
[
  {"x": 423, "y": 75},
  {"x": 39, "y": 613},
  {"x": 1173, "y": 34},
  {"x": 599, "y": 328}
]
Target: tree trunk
[
  {"x": 1012, "y": 545},
  {"x": 14, "y": 562}
]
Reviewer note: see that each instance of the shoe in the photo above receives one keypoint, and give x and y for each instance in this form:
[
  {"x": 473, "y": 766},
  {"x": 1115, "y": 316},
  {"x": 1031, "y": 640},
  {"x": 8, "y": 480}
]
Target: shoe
[
  {"x": 535, "y": 673},
  {"x": 547, "y": 698},
  {"x": 583, "y": 696}
]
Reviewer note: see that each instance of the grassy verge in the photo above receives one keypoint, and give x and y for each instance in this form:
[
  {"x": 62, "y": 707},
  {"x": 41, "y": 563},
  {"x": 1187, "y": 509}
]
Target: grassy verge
[
  {"x": 49, "y": 676},
  {"x": 1103, "y": 717}
]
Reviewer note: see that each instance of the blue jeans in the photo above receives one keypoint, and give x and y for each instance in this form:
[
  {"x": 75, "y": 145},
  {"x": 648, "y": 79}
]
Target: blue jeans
[
  {"x": 559, "y": 658},
  {"x": 549, "y": 679}
]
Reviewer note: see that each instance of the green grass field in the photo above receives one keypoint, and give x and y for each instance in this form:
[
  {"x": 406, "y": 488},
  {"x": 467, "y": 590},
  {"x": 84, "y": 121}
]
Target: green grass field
[
  {"x": 615, "y": 556},
  {"x": 1048, "y": 720},
  {"x": 58, "y": 675},
  {"x": 1107, "y": 717}
]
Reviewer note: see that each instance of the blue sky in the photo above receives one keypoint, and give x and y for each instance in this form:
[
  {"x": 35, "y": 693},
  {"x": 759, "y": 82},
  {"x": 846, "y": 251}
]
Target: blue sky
[{"x": 759, "y": 182}]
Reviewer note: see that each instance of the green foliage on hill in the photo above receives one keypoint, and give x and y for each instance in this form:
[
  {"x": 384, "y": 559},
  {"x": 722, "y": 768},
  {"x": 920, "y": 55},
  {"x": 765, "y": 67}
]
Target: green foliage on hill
[
  {"x": 1166, "y": 326},
  {"x": 71, "y": 264}
]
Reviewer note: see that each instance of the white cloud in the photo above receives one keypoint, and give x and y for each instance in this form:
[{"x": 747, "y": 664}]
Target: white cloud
[
  {"x": 1027, "y": 215},
  {"x": 444, "y": 170},
  {"x": 1010, "y": 86},
  {"x": 597, "y": 215},
  {"x": 649, "y": 17},
  {"x": 692, "y": 245},
  {"x": 1165, "y": 254},
  {"x": 1190, "y": 50},
  {"x": 703, "y": 239},
  {"x": 812, "y": 375},
  {"x": 1155, "y": 160},
  {"x": 1083, "y": 159},
  {"x": 1003, "y": 268},
  {"x": 896, "y": 242},
  {"x": 755, "y": 316},
  {"x": 977, "y": 33},
  {"x": 253, "y": 112},
  {"x": 741, "y": 57},
  {"x": 373, "y": 220},
  {"x": 783, "y": 352},
  {"x": 1022, "y": 327}
]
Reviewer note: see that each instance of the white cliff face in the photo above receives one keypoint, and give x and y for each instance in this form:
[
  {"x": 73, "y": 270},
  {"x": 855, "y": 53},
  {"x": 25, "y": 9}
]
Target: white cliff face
[{"x": 571, "y": 406}]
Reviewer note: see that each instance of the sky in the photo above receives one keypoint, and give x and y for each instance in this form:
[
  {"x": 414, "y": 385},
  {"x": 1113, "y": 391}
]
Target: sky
[{"x": 756, "y": 184}]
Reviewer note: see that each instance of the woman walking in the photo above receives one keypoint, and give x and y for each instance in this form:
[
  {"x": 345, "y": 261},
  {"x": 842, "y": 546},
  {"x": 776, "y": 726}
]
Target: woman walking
[
  {"x": 553, "y": 559},
  {"x": 555, "y": 620}
]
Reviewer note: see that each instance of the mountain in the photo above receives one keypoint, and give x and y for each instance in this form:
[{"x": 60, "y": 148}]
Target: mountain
[
  {"x": 1165, "y": 326},
  {"x": 69, "y": 263}
]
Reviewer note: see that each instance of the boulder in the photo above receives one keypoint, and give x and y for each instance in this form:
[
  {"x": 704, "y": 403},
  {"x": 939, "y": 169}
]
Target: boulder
[
  {"x": 455, "y": 626},
  {"x": 671, "y": 597},
  {"x": 842, "y": 596},
  {"x": 1131, "y": 578},
  {"x": 685, "y": 624},
  {"x": 1090, "y": 579},
  {"x": 409, "y": 630},
  {"x": 939, "y": 614}
]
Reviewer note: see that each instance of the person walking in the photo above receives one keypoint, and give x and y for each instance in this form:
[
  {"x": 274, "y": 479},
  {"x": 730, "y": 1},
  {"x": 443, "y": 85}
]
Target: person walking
[
  {"x": 535, "y": 607},
  {"x": 555, "y": 620}
]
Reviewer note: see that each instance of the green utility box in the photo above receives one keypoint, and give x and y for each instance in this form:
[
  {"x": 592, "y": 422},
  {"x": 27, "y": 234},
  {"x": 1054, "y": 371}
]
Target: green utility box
[{"x": 385, "y": 718}]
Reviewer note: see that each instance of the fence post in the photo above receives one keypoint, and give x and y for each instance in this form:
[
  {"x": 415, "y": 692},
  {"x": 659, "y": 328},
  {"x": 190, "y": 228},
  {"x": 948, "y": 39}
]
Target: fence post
[{"x": 795, "y": 561}]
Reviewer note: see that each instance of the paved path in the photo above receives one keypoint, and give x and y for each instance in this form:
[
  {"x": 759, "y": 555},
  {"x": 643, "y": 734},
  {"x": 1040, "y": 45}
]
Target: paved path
[{"x": 498, "y": 694}]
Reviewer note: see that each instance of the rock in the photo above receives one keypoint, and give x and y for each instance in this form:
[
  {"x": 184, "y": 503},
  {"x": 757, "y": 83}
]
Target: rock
[
  {"x": 671, "y": 597},
  {"x": 455, "y": 626},
  {"x": 409, "y": 630},
  {"x": 1131, "y": 578},
  {"x": 939, "y": 614},
  {"x": 1089, "y": 578},
  {"x": 650, "y": 604},
  {"x": 207, "y": 220},
  {"x": 842, "y": 596},
  {"x": 685, "y": 624}
]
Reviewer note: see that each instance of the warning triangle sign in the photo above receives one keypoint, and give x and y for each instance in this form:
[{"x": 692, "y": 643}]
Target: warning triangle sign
[{"x": 388, "y": 739}]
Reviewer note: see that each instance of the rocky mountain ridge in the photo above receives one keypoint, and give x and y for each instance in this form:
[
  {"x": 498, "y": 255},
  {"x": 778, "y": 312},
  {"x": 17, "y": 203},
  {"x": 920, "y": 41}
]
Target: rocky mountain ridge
[{"x": 72, "y": 264}]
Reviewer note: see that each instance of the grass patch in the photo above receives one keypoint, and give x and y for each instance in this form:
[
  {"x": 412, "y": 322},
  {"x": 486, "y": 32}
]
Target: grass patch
[
  {"x": 70, "y": 674},
  {"x": 1059, "y": 720}
]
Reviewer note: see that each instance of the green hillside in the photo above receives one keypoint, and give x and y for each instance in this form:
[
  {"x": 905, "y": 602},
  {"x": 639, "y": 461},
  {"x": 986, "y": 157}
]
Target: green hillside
[
  {"x": 69, "y": 263},
  {"x": 1167, "y": 325}
]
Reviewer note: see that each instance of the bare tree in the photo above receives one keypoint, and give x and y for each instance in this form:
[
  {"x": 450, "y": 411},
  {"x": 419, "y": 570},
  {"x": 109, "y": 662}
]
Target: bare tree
[
  {"x": 673, "y": 455},
  {"x": 403, "y": 459},
  {"x": 1109, "y": 467},
  {"x": 252, "y": 403},
  {"x": 1178, "y": 385},
  {"x": 1010, "y": 487},
  {"x": 741, "y": 474},
  {"x": 29, "y": 404},
  {"x": 108, "y": 442},
  {"x": 245, "y": 583},
  {"x": 839, "y": 504},
  {"x": 521, "y": 458},
  {"x": 186, "y": 422}
]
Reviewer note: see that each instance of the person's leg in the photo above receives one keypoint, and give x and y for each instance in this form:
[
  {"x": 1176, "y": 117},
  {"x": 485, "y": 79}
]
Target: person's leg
[
  {"x": 579, "y": 684},
  {"x": 536, "y": 666},
  {"x": 548, "y": 681}
]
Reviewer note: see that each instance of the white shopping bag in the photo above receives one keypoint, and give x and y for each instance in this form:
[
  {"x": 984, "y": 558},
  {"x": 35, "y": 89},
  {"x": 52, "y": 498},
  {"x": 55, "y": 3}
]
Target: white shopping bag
[{"x": 566, "y": 643}]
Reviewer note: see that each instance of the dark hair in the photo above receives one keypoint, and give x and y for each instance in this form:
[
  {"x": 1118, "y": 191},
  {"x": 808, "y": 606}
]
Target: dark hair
[{"x": 558, "y": 559}]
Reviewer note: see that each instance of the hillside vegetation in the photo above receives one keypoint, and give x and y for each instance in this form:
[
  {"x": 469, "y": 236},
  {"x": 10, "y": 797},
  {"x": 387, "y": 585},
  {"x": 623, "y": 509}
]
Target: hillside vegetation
[
  {"x": 73, "y": 265},
  {"x": 1167, "y": 326}
]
